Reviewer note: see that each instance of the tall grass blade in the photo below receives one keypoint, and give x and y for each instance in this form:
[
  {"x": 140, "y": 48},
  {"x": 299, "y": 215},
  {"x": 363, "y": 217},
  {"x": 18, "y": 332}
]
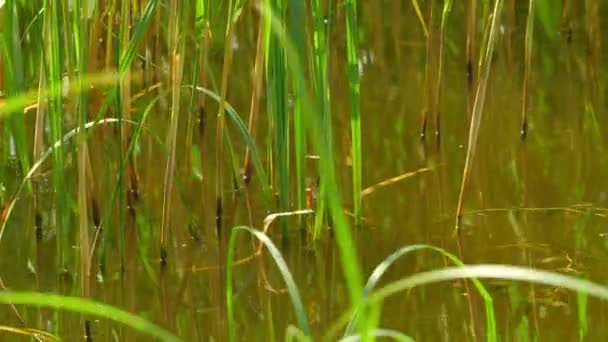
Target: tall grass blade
[
  {"x": 254, "y": 109},
  {"x": 492, "y": 271},
  {"x": 177, "y": 67},
  {"x": 426, "y": 111},
  {"x": 352, "y": 46},
  {"x": 447, "y": 8},
  {"x": 292, "y": 288},
  {"x": 52, "y": 48},
  {"x": 296, "y": 28},
  {"x": 276, "y": 91},
  {"x": 80, "y": 29},
  {"x": 320, "y": 77},
  {"x": 383, "y": 267},
  {"x": 88, "y": 307},
  {"x": 471, "y": 43},
  {"x": 248, "y": 139},
  {"x": 478, "y": 105},
  {"x": 38, "y": 163},
  {"x": 14, "y": 82},
  {"x": 318, "y": 134},
  {"x": 420, "y": 17},
  {"x": 234, "y": 11},
  {"x": 529, "y": 41}
]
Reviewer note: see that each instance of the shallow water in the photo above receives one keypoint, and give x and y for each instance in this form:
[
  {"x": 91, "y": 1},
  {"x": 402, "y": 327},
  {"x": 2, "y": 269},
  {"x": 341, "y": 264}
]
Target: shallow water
[{"x": 538, "y": 203}]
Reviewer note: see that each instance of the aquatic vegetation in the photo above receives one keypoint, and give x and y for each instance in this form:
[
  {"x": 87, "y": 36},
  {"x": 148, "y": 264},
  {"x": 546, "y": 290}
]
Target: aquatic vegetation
[{"x": 122, "y": 213}]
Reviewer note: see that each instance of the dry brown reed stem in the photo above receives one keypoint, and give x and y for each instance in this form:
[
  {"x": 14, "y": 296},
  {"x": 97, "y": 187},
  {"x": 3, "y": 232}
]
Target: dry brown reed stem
[
  {"x": 371, "y": 189},
  {"x": 110, "y": 35},
  {"x": 595, "y": 211},
  {"x": 478, "y": 105},
  {"x": 176, "y": 79},
  {"x": 38, "y": 142},
  {"x": 258, "y": 77},
  {"x": 219, "y": 157},
  {"x": 593, "y": 32},
  {"x": 471, "y": 43},
  {"x": 438, "y": 86},
  {"x": 40, "y": 114},
  {"x": 268, "y": 220},
  {"x": 427, "y": 72},
  {"x": 527, "y": 69},
  {"x": 476, "y": 115}
]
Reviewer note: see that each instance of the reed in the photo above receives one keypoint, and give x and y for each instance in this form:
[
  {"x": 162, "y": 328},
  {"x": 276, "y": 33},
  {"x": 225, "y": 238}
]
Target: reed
[
  {"x": 277, "y": 93},
  {"x": 80, "y": 26},
  {"x": 319, "y": 71},
  {"x": 529, "y": 44},
  {"x": 93, "y": 94},
  {"x": 296, "y": 26},
  {"x": 14, "y": 79},
  {"x": 477, "y": 112},
  {"x": 254, "y": 109},
  {"x": 352, "y": 46},
  {"x": 177, "y": 67},
  {"x": 428, "y": 67},
  {"x": 53, "y": 69},
  {"x": 447, "y": 8}
]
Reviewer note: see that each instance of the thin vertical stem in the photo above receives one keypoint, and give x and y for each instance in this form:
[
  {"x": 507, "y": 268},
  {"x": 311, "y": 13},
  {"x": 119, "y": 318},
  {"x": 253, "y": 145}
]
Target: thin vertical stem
[
  {"x": 176, "y": 79},
  {"x": 296, "y": 28},
  {"x": 447, "y": 7},
  {"x": 529, "y": 40},
  {"x": 352, "y": 46},
  {"x": 480, "y": 97},
  {"x": 258, "y": 78},
  {"x": 471, "y": 42},
  {"x": 55, "y": 115}
]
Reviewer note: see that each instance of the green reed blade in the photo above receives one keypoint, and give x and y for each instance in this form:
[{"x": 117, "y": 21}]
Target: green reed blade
[
  {"x": 318, "y": 133},
  {"x": 352, "y": 47},
  {"x": 200, "y": 24},
  {"x": 80, "y": 30},
  {"x": 128, "y": 55},
  {"x": 296, "y": 30},
  {"x": 234, "y": 10},
  {"x": 276, "y": 92},
  {"x": 88, "y": 307},
  {"x": 483, "y": 271},
  {"x": 320, "y": 77},
  {"x": 420, "y": 17},
  {"x": 582, "y": 314},
  {"x": 139, "y": 30},
  {"x": 54, "y": 57},
  {"x": 383, "y": 267},
  {"x": 67, "y": 137},
  {"x": 177, "y": 68},
  {"x": 292, "y": 288},
  {"x": 492, "y": 271},
  {"x": 244, "y": 133},
  {"x": 528, "y": 45},
  {"x": 11, "y": 49},
  {"x": 113, "y": 99},
  {"x": 122, "y": 106},
  {"x": 447, "y": 8},
  {"x": 480, "y": 96}
]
